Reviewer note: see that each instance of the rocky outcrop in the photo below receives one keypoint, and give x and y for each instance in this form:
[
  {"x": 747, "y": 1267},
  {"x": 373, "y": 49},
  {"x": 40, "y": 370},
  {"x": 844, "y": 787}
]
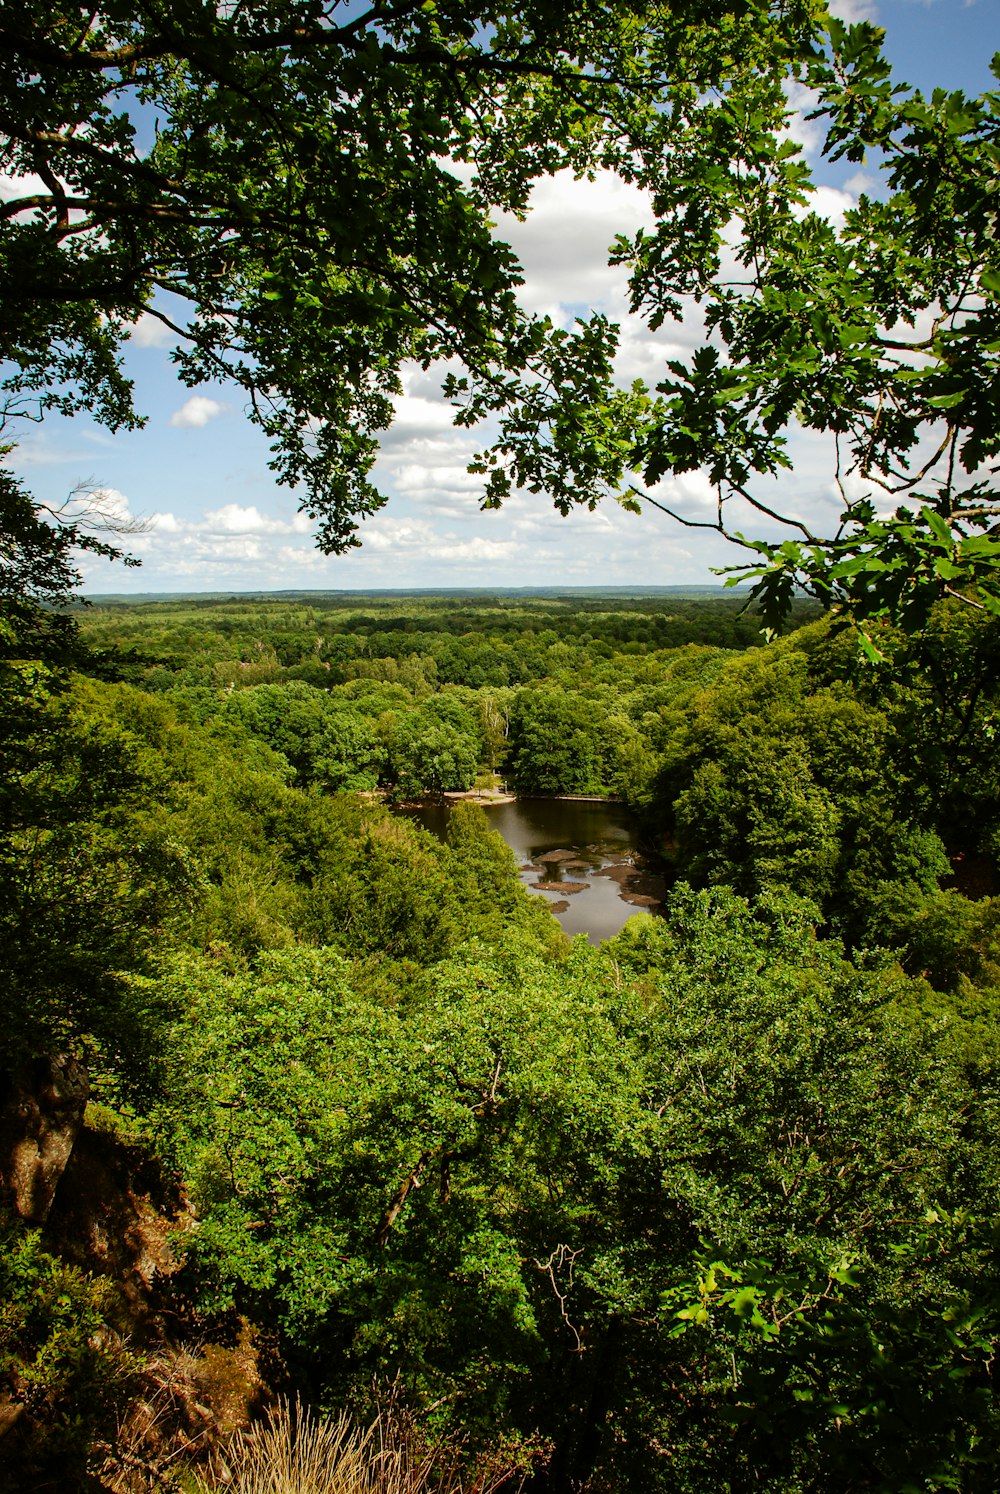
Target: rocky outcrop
[
  {"x": 120, "y": 1215},
  {"x": 39, "y": 1124},
  {"x": 101, "y": 1200}
]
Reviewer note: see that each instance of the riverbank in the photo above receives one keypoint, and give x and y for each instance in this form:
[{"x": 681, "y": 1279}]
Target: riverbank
[
  {"x": 480, "y": 796},
  {"x": 505, "y": 796}
]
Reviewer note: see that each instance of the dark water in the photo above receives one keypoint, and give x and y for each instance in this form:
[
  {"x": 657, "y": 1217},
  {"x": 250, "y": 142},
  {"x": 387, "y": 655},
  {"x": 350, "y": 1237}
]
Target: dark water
[{"x": 599, "y": 842}]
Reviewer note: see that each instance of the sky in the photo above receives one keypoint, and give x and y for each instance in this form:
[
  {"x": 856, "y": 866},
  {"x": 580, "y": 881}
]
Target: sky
[{"x": 215, "y": 520}]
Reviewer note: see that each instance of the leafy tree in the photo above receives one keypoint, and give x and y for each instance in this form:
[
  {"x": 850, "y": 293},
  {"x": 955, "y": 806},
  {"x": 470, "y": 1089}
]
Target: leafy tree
[
  {"x": 556, "y": 744},
  {"x": 432, "y": 757},
  {"x": 880, "y": 333},
  {"x": 290, "y": 717},
  {"x": 488, "y": 887},
  {"x": 298, "y": 194},
  {"x": 776, "y": 773},
  {"x": 817, "y": 1355},
  {"x": 941, "y": 693},
  {"x": 350, "y": 756},
  {"x": 760, "y": 821},
  {"x": 688, "y": 1208},
  {"x": 89, "y": 877}
]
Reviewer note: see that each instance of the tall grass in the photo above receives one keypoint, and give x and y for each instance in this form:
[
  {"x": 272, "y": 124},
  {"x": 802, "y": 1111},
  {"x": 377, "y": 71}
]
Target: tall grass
[{"x": 294, "y": 1452}]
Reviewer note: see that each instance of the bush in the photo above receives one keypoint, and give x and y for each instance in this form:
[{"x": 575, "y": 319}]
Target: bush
[{"x": 58, "y": 1361}]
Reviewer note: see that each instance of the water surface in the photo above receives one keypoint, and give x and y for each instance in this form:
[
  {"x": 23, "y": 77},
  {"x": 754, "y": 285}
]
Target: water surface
[{"x": 589, "y": 844}]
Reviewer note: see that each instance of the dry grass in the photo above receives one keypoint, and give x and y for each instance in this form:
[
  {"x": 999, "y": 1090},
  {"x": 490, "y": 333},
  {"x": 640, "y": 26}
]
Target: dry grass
[{"x": 294, "y": 1452}]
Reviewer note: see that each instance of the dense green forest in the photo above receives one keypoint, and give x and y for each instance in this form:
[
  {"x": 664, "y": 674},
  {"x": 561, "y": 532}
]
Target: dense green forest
[
  {"x": 711, "y": 1206},
  {"x": 306, "y": 1114}
]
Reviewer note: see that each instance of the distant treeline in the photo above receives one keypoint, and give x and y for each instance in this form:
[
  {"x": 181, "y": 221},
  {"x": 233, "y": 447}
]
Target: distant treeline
[
  {"x": 491, "y": 642},
  {"x": 419, "y": 701}
]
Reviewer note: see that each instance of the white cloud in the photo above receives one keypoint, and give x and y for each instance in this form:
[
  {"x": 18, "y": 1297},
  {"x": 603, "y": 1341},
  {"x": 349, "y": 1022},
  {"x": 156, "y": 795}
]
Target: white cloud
[
  {"x": 854, "y": 10},
  {"x": 406, "y": 540},
  {"x": 12, "y": 187},
  {"x": 308, "y": 559},
  {"x": 417, "y": 415},
  {"x": 110, "y": 503},
  {"x": 149, "y": 332},
  {"x": 525, "y": 544},
  {"x": 38, "y": 450},
  {"x": 861, "y": 181},
  {"x": 808, "y": 133},
  {"x": 643, "y": 354},
  {"x": 196, "y": 412},
  {"x": 165, "y": 523},
  {"x": 416, "y": 479},
  {"x": 563, "y": 243},
  {"x": 233, "y": 532},
  {"x": 830, "y": 203},
  {"x": 231, "y": 518}
]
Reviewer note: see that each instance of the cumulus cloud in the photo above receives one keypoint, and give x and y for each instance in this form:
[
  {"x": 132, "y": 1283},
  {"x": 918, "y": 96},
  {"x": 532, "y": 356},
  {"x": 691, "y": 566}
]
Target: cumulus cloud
[
  {"x": 525, "y": 544},
  {"x": 808, "y": 133},
  {"x": 417, "y": 478},
  {"x": 235, "y": 538},
  {"x": 405, "y": 539},
  {"x": 417, "y": 416},
  {"x": 854, "y": 10},
  {"x": 29, "y": 185},
  {"x": 165, "y": 523},
  {"x": 196, "y": 412},
  {"x": 110, "y": 503},
  {"x": 563, "y": 243},
  {"x": 149, "y": 332},
  {"x": 233, "y": 518},
  {"x": 830, "y": 203}
]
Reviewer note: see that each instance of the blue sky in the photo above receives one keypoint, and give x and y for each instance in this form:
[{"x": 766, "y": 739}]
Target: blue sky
[{"x": 216, "y": 520}]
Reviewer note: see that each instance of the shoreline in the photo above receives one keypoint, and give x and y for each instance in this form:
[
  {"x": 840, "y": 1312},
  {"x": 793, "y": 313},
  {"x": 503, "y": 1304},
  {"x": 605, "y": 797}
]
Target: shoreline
[{"x": 504, "y": 796}]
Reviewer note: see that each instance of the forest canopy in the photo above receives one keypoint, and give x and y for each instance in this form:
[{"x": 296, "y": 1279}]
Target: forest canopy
[
  {"x": 608, "y": 1215},
  {"x": 337, "y": 1105},
  {"x": 304, "y": 193}
]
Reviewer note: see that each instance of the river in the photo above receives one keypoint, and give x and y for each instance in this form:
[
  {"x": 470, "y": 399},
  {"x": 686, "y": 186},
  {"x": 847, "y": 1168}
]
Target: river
[{"x": 585, "y": 852}]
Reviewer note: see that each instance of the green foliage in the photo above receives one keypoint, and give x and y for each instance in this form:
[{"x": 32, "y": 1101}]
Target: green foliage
[
  {"x": 432, "y": 755},
  {"x": 351, "y": 757},
  {"x": 887, "y": 1392},
  {"x": 88, "y": 875},
  {"x": 796, "y": 767},
  {"x": 410, "y": 1145},
  {"x": 307, "y": 271},
  {"x": 811, "y": 1133},
  {"x": 289, "y": 717},
  {"x": 709, "y": 1207},
  {"x": 557, "y": 745},
  {"x": 59, "y": 1361},
  {"x": 709, "y": 1178},
  {"x": 485, "y": 876}
]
